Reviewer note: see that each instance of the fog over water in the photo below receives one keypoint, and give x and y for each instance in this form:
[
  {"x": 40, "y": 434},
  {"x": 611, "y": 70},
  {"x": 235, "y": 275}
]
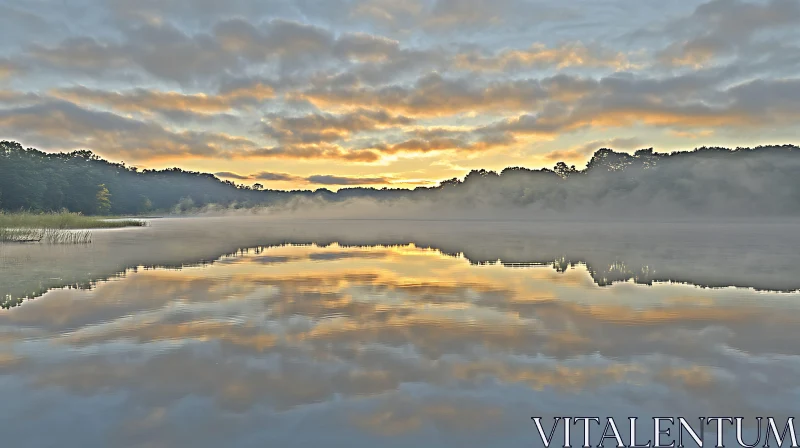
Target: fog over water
[
  {"x": 704, "y": 184},
  {"x": 746, "y": 253}
]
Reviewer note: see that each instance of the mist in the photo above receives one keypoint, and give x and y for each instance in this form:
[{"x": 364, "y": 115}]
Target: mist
[
  {"x": 706, "y": 183},
  {"x": 762, "y": 256}
]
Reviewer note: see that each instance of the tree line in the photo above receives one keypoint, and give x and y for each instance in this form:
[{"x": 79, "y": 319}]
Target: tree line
[
  {"x": 765, "y": 178},
  {"x": 80, "y": 181}
]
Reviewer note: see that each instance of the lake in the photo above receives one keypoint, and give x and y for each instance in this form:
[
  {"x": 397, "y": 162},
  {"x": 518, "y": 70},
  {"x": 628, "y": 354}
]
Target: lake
[{"x": 254, "y": 332}]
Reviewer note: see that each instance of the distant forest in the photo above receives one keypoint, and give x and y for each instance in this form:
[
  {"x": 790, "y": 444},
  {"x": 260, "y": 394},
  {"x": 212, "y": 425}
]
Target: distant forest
[{"x": 764, "y": 179}]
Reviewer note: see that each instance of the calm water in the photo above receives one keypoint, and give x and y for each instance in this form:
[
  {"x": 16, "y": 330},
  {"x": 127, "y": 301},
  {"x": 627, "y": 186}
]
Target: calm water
[{"x": 242, "y": 332}]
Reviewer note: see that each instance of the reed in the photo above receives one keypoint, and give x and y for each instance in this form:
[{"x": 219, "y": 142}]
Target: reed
[
  {"x": 55, "y": 228},
  {"x": 62, "y": 220},
  {"x": 50, "y": 236}
]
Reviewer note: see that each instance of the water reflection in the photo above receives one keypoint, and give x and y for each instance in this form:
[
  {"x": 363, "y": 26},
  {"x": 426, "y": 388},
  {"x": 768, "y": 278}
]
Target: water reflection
[
  {"x": 357, "y": 346},
  {"x": 763, "y": 256}
]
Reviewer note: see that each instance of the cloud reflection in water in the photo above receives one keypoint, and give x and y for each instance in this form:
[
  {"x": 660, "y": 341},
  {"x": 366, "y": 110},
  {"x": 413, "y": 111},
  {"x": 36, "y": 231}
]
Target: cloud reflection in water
[{"x": 393, "y": 345}]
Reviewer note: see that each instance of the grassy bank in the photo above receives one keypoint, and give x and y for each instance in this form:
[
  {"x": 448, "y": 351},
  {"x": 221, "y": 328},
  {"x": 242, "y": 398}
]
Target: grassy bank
[
  {"x": 65, "y": 220},
  {"x": 55, "y": 228}
]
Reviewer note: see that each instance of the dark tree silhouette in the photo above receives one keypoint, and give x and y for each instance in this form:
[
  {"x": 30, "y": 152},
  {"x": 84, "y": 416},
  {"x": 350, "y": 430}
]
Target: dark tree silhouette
[{"x": 746, "y": 180}]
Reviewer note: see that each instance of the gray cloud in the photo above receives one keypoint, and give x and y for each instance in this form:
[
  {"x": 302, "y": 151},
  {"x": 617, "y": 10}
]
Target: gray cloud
[
  {"x": 341, "y": 180},
  {"x": 318, "y": 179},
  {"x": 482, "y": 14},
  {"x": 230, "y": 46},
  {"x": 444, "y": 140},
  {"x": 434, "y": 94},
  {"x": 15, "y": 98},
  {"x": 64, "y": 125},
  {"x": 430, "y": 16},
  {"x": 265, "y": 175},
  {"x": 230, "y": 175},
  {"x": 8, "y": 68},
  {"x": 623, "y": 101},
  {"x": 720, "y": 27},
  {"x": 586, "y": 150},
  {"x": 357, "y": 81},
  {"x": 315, "y": 128},
  {"x": 83, "y": 54},
  {"x": 539, "y": 56},
  {"x": 173, "y": 105},
  {"x": 316, "y": 151}
]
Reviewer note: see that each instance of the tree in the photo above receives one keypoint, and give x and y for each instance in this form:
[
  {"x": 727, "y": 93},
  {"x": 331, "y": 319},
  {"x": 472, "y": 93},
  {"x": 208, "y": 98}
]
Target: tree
[
  {"x": 605, "y": 159},
  {"x": 184, "y": 205},
  {"x": 145, "y": 205},
  {"x": 103, "y": 199},
  {"x": 563, "y": 170},
  {"x": 82, "y": 182},
  {"x": 449, "y": 183}
]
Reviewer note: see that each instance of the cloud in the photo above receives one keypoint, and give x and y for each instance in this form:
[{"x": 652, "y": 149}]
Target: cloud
[
  {"x": 482, "y": 14},
  {"x": 321, "y": 127},
  {"x": 17, "y": 21},
  {"x": 539, "y": 56},
  {"x": 64, "y": 125},
  {"x": 160, "y": 50},
  {"x": 618, "y": 102},
  {"x": 340, "y": 180},
  {"x": 8, "y": 69},
  {"x": 277, "y": 38},
  {"x": 433, "y": 95},
  {"x": 558, "y": 104},
  {"x": 375, "y": 81},
  {"x": 166, "y": 52},
  {"x": 230, "y": 175},
  {"x": 170, "y": 103},
  {"x": 81, "y": 54},
  {"x": 436, "y": 95},
  {"x": 59, "y": 124},
  {"x": 318, "y": 179},
  {"x": 395, "y": 15},
  {"x": 438, "y": 140},
  {"x": 12, "y": 98},
  {"x": 582, "y": 152},
  {"x": 206, "y": 12},
  {"x": 315, "y": 151},
  {"x": 433, "y": 17},
  {"x": 720, "y": 27},
  {"x": 264, "y": 175}
]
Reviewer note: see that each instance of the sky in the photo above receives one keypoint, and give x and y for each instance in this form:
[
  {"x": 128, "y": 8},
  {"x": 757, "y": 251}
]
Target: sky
[{"x": 334, "y": 93}]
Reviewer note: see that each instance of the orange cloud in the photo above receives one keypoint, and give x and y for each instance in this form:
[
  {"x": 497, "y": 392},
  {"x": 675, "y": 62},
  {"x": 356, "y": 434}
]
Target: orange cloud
[
  {"x": 8, "y": 69},
  {"x": 149, "y": 101},
  {"x": 582, "y": 152},
  {"x": 423, "y": 145},
  {"x": 540, "y": 56},
  {"x": 314, "y": 151},
  {"x": 433, "y": 95},
  {"x": 315, "y": 128}
]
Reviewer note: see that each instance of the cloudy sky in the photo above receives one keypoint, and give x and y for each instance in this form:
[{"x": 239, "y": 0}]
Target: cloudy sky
[{"x": 332, "y": 93}]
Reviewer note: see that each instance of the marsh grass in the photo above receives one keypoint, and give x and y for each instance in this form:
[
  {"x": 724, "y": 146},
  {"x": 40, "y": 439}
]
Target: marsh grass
[
  {"x": 50, "y": 236},
  {"x": 63, "y": 220},
  {"x": 55, "y": 228}
]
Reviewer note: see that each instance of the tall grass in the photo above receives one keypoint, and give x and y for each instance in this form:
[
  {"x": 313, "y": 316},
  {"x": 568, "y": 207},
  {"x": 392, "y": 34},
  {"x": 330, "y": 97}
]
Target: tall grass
[
  {"x": 63, "y": 220},
  {"x": 55, "y": 228},
  {"x": 51, "y": 236}
]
